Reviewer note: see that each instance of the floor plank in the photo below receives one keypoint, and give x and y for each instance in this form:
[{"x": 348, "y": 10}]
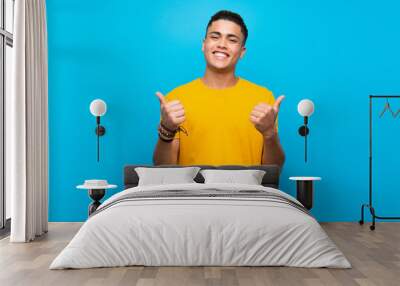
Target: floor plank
[{"x": 375, "y": 257}]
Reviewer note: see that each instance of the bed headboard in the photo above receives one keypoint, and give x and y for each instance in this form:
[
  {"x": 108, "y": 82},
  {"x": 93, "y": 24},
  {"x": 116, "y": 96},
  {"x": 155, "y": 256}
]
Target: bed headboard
[{"x": 270, "y": 179}]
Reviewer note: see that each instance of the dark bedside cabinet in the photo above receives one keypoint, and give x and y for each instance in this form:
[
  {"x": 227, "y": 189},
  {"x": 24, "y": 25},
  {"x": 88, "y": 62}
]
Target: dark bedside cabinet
[{"x": 305, "y": 192}]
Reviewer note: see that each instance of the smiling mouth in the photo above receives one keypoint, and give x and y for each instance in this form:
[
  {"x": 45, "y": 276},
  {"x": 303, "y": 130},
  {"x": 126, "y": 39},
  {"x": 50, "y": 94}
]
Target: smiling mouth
[{"x": 221, "y": 55}]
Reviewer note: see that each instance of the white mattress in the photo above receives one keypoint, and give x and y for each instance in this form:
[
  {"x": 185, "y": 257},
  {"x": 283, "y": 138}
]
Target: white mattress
[{"x": 200, "y": 231}]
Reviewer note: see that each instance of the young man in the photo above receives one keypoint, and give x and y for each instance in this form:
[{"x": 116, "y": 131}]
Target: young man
[{"x": 220, "y": 119}]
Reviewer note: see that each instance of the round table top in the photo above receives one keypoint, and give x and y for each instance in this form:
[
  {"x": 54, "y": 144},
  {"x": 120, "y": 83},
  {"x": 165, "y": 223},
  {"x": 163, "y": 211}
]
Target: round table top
[
  {"x": 305, "y": 178},
  {"x": 96, "y": 187}
]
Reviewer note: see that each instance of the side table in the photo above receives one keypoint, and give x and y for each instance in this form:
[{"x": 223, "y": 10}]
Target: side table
[
  {"x": 305, "y": 193},
  {"x": 96, "y": 190}
]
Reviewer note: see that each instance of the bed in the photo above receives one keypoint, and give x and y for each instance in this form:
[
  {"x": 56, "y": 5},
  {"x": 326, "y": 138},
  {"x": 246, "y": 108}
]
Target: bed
[{"x": 201, "y": 224}]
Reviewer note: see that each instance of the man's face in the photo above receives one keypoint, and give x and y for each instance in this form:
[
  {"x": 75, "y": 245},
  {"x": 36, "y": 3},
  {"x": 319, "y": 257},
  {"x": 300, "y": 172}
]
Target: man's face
[{"x": 223, "y": 45}]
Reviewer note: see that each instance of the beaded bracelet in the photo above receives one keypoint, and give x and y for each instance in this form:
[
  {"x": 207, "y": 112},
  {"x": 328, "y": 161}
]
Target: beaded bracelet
[
  {"x": 165, "y": 132},
  {"x": 164, "y": 139},
  {"x": 167, "y": 129},
  {"x": 167, "y": 135}
]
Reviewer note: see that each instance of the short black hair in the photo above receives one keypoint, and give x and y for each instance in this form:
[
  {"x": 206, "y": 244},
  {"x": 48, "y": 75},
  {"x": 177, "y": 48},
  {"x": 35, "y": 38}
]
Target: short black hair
[{"x": 230, "y": 16}]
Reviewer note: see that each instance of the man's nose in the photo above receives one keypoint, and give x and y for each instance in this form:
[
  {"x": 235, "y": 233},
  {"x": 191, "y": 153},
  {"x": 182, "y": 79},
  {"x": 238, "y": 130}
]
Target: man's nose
[{"x": 222, "y": 43}]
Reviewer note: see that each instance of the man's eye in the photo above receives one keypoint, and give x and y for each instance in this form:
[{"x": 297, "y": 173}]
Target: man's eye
[
  {"x": 233, "y": 40},
  {"x": 214, "y": 37}
]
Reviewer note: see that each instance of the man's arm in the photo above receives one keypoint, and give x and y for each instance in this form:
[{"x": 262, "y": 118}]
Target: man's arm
[
  {"x": 264, "y": 116},
  {"x": 172, "y": 115},
  {"x": 272, "y": 151},
  {"x": 166, "y": 153}
]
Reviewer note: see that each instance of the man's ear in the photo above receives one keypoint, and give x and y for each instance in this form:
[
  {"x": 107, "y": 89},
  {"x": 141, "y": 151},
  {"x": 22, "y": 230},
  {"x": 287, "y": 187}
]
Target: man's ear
[
  {"x": 242, "y": 52},
  {"x": 202, "y": 46}
]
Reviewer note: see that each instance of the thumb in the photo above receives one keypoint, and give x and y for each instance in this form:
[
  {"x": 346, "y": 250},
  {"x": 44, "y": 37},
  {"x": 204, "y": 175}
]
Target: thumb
[
  {"x": 161, "y": 97},
  {"x": 278, "y": 102}
]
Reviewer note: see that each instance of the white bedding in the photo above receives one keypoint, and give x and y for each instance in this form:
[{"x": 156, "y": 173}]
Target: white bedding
[{"x": 200, "y": 231}]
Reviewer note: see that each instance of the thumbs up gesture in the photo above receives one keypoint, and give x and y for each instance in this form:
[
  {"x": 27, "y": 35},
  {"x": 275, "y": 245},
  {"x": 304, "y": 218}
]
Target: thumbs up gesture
[
  {"x": 263, "y": 116},
  {"x": 172, "y": 113}
]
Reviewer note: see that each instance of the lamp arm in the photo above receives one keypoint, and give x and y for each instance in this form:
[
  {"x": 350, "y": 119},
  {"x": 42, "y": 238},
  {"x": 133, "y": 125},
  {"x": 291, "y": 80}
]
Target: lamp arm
[
  {"x": 98, "y": 147},
  {"x": 98, "y": 135},
  {"x": 305, "y": 148}
]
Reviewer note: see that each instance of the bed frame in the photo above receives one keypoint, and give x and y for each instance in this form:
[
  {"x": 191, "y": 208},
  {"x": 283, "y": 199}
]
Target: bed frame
[{"x": 270, "y": 179}]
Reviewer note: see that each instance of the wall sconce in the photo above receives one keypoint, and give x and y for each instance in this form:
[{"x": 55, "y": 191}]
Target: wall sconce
[
  {"x": 98, "y": 108},
  {"x": 305, "y": 108}
]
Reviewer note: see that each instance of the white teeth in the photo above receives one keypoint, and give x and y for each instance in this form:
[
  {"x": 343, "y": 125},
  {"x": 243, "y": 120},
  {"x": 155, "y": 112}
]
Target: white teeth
[{"x": 220, "y": 54}]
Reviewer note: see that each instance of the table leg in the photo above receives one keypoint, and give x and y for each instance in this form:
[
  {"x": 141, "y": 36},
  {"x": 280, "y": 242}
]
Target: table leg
[
  {"x": 305, "y": 193},
  {"x": 96, "y": 195}
]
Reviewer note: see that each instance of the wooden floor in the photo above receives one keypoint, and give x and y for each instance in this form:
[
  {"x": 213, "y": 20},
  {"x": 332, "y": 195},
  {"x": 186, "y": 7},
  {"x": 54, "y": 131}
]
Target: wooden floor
[{"x": 374, "y": 255}]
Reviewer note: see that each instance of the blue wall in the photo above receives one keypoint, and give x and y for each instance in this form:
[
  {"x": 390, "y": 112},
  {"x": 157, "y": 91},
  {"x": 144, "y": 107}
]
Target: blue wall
[{"x": 123, "y": 51}]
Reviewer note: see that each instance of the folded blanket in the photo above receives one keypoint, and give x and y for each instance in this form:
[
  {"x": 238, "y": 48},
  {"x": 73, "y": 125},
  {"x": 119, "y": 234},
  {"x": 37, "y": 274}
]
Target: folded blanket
[{"x": 205, "y": 194}]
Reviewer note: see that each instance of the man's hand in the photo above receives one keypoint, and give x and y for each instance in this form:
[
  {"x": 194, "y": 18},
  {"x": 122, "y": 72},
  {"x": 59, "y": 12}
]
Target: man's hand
[
  {"x": 172, "y": 113},
  {"x": 263, "y": 116}
]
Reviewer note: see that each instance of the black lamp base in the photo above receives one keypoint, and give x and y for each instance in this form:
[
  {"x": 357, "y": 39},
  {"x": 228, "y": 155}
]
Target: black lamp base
[
  {"x": 100, "y": 130},
  {"x": 303, "y": 130}
]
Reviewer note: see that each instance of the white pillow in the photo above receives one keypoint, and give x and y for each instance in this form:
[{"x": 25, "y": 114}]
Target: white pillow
[
  {"x": 162, "y": 176},
  {"x": 249, "y": 177}
]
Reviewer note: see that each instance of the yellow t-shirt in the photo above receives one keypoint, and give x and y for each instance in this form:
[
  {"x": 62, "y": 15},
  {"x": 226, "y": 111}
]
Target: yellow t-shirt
[{"x": 219, "y": 130}]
